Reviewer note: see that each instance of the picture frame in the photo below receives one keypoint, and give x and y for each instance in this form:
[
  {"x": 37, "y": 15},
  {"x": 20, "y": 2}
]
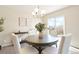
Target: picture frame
[{"x": 22, "y": 21}]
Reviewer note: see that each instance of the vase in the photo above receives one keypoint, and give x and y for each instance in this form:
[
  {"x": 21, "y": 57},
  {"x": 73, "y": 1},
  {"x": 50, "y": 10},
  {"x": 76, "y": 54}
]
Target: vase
[{"x": 40, "y": 35}]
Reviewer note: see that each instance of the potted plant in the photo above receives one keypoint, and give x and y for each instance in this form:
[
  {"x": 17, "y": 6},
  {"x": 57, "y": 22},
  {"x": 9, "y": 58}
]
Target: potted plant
[
  {"x": 1, "y": 27},
  {"x": 40, "y": 27},
  {"x": 1, "y": 23}
]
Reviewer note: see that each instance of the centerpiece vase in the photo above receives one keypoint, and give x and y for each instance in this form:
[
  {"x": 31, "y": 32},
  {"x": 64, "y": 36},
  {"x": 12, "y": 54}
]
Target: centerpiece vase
[{"x": 40, "y": 35}]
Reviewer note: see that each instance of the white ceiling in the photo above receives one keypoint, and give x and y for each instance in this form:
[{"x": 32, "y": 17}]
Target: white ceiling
[{"x": 30, "y": 8}]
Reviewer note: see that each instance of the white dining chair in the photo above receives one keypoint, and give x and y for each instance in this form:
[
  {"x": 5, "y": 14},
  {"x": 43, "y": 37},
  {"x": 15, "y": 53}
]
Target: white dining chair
[
  {"x": 19, "y": 49},
  {"x": 16, "y": 42},
  {"x": 63, "y": 46}
]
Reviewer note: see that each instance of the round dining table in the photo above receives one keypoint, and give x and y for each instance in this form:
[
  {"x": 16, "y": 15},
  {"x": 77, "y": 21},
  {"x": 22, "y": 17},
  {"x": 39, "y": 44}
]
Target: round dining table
[{"x": 41, "y": 43}]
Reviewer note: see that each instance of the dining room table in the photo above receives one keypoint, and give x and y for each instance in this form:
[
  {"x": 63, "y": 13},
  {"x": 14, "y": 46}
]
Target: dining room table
[{"x": 41, "y": 43}]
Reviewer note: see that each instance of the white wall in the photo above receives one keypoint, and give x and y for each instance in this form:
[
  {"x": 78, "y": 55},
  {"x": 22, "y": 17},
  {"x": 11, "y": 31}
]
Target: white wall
[
  {"x": 71, "y": 22},
  {"x": 11, "y": 23}
]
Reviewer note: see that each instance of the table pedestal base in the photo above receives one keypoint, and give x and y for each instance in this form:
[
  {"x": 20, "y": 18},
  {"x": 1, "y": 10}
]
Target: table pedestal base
[{"x": 40, "y": 49}]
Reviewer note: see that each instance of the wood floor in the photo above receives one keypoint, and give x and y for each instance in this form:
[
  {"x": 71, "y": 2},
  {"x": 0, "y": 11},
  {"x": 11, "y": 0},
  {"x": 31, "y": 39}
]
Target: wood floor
[{"x": 26, "y": 49}]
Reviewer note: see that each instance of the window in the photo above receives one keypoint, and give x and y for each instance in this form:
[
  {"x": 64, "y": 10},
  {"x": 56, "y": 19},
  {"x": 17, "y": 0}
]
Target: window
[
  {"x": 51, "y": 22},
  {"x": 59, "y": 21},
  {"x": 56, "y": 23}
]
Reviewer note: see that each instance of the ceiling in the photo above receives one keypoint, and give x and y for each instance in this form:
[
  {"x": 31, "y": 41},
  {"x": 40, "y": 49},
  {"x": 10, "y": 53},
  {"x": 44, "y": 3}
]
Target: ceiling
[{"x": 29, "y": 8}]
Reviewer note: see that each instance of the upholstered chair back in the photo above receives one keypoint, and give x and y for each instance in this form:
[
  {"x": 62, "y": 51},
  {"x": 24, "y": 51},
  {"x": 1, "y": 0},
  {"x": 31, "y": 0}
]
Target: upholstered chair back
[
  {"x": 16, "y": 42},
  {"x": 64, "y": 44}
]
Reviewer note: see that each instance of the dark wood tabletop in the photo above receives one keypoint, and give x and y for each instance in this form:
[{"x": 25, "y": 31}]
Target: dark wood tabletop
[{"x": 47, "y": 39}]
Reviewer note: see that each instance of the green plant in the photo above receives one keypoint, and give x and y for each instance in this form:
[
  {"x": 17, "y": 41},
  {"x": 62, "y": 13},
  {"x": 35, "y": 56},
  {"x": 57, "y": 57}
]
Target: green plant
[
  {"x": 1, "y": 23},
  {"x": 40, "y": 27},
  {"x": 1, "y": 20}
]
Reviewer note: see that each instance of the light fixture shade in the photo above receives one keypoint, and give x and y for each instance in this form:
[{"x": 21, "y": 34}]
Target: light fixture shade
[
  {"x": 36, "y": 10},
  {"x": 43, "y": 12},
  {"x": 33, "y": 13}
]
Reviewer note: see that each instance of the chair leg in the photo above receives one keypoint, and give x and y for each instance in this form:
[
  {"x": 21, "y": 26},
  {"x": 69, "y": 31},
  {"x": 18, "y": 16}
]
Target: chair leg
[
  {"x": 56, "y": 45},
  {"x": 0, "y": 47}
]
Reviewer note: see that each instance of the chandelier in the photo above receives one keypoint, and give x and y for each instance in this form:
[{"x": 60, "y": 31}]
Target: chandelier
[{"x": 37, "y": 12}]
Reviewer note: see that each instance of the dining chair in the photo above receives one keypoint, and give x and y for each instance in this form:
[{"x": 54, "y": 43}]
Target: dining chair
[
  {"x": 19, "y": 49},
  {"x": 16, "y": 42},
  {"x": 63, "y": 48},
  {"x": 65, "y": 44}
]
